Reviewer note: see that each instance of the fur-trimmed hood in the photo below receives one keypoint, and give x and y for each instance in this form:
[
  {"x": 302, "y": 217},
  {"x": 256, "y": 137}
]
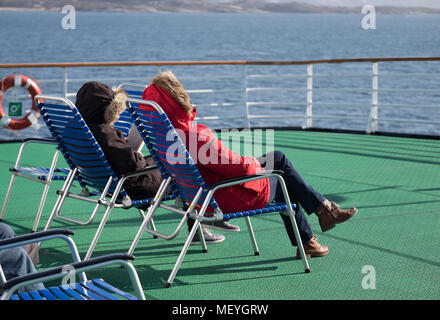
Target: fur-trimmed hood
[{"x": 100, "y": 104}]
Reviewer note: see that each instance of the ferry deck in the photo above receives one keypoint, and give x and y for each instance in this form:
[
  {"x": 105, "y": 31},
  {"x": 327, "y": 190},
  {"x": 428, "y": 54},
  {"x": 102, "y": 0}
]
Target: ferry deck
[
  {"x": 392, "y": 181},
  {"x": 387, "y": 251}
]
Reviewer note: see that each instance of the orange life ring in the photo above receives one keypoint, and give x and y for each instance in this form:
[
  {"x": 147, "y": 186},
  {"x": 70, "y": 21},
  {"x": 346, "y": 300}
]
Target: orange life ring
[{"x": 33, "y": 89}]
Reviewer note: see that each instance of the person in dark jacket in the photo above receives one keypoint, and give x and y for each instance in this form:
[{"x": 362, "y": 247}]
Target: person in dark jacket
[{"x": 100, "y": 107}]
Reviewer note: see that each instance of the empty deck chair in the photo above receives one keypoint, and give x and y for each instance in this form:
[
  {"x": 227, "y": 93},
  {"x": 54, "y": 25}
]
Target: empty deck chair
[
  {"x": 46, "y": 175},
  {"x": 84, "y": 289},
  {"x": 88, "y": 166},
  {"x": 180, "y": 171}
]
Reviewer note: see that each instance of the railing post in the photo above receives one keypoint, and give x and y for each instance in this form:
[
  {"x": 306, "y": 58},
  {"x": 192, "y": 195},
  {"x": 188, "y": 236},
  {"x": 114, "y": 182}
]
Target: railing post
[
  {"x": 246, "y": 106},
  {"x": 308, "y": 119},
  {"x": 65, "y": 82},
  {"x": 373, "y": 120}
]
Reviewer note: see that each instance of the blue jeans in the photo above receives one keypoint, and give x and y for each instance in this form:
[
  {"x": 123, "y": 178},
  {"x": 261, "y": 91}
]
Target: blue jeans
[
  {"x": 16, "y": 262},
  {"x": 300, "y": 193}
]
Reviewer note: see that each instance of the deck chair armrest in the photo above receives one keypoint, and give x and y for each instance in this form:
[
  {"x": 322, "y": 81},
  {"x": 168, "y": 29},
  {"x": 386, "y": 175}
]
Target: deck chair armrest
[
  {"x": 33, "y": 140},
  {"x": 27, "y": 141},
  {"x": 61, "y": 270},
  {"x": 33, "y": 237},
  {"x": 39, "y": 140},
  {"x": 234, "y": 181},
  {"x": 280, "y": 172}
]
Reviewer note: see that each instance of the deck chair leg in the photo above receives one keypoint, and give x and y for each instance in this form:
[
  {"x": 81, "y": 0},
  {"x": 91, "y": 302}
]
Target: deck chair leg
[
  {"x": 299, "y": 243},
  {"x": 8, "y": 193},
  {"x": 252, "y": 235},
  {"x": 101, "y": 226},
  {"x": 98, "y": 232},
  {"x": 40, "y": 207},
  {"x": 144, "y": 224},
  {"x": 47, "y": 184},
  {"x": 291, "y": 215},
  {"x": 95, "y": 210},
  {"x": 151, "y": 223},
  {"x": 61, "y": 198},
  {"x": 182, "y": 253},
  {"x": 202, "y": 239},
  {"x": 153, "y": 227},
  {"x": 55, "y": 209},
  {"x": 149, "y": 216}
]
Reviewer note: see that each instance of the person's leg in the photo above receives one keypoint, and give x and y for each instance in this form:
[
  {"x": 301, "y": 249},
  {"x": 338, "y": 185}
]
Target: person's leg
[
  {"x": 303, "y": 224},
  {"x": 309, "y": 240},
  {"x": 16, "y": 262},
  {"x": 276, "y": 194},
  {"x": 329, "y": 213},
  {"x": 6, "y": 232},
  {"x": 209, "y": 236},
  {"x": 224, "y": 226},
  {"x": 299, "y": 190}
]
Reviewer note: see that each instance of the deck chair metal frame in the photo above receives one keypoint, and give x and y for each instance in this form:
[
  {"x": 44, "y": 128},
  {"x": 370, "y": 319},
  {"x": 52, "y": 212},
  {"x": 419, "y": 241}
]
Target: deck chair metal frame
[
  {"x": 42, "y": 175},
  {"x": 47, "y": 175},
  {"x": 91, "y": 170},
  {"x": 132, "y": 92},
  {"x": 96, "y": 289},
  {"x": 193, "y": 188}
]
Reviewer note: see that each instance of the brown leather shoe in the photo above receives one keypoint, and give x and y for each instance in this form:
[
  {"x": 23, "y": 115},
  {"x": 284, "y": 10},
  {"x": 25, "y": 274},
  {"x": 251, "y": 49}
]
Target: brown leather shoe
[
  {"x": 312, "y": 248},
  {"x": 330, "y": 214}
]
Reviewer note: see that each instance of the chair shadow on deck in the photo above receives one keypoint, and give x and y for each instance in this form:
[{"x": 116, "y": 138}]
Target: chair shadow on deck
[{"x": 153, "y": 278}]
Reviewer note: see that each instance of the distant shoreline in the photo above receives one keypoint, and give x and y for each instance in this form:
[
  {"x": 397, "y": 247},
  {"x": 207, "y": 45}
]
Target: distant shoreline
[
  {"x": 21, "y": 9},
  {"x": 342, "y": 10}
]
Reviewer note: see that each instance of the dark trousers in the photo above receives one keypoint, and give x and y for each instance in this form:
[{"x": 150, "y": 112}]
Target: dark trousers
[
  {"x": 300, "y": 193},
  {"x": 15, "y": 262}
]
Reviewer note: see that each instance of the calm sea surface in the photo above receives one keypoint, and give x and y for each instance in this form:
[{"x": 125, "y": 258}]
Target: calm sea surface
[{"x": 39, "y": 37}]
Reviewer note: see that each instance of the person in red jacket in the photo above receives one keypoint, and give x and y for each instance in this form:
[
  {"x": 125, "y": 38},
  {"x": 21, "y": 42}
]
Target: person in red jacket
[{"x": 217, "y": 163}]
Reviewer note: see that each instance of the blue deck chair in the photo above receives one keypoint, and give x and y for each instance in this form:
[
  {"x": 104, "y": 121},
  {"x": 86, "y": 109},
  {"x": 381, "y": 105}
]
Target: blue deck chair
[
  {"x": 179, "y": 170},
  {"x": 84, "y": 289},
  {"x": 46, "y": 175},
  {"x": 88, "y": 166}
]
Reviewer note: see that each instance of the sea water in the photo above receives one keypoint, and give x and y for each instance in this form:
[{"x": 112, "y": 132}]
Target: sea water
[{"x": 38, "y": 36}]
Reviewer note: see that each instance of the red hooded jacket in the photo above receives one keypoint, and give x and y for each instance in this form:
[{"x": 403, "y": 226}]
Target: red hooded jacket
[{"x": 214, "y": 160}]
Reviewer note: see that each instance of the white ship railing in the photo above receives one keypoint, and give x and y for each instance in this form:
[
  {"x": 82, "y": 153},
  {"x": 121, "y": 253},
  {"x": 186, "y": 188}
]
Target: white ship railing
[{"x": 308, "y": 77}]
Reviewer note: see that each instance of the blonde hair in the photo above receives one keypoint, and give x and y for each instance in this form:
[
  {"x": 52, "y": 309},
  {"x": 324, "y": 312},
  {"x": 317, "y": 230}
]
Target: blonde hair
[{"x": 168, "y": 81}]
